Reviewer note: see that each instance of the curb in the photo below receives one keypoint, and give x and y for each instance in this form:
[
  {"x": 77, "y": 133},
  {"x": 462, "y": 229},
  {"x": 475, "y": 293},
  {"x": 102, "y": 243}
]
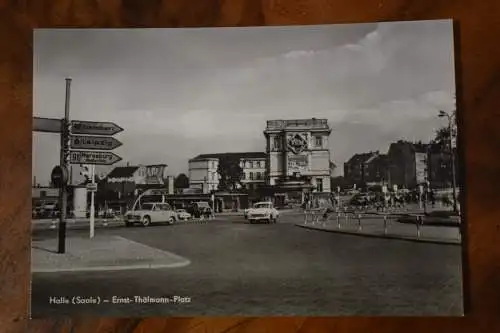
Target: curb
[
  {"x": 394, "y": 237},
  {"x": 110, "y": 268}
]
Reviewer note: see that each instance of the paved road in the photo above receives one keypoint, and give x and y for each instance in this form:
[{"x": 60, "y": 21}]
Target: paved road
[{"x": 278, "y": 269}]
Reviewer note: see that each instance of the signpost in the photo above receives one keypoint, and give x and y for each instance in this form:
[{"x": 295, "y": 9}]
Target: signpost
[
  {"x": 94, "y": 142},
  {"x": 92, "y": 157},
  {"x": 96, "y": 137}
]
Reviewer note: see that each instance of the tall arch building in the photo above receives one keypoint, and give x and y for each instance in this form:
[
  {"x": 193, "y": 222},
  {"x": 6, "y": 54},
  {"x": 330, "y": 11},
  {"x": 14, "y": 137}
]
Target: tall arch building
[{"x": 298, "y": 157}]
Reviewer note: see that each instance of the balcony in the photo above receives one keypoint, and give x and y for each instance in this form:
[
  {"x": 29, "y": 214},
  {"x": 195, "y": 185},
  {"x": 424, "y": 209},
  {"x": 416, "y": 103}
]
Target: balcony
[{"x": 273, "y": 125}]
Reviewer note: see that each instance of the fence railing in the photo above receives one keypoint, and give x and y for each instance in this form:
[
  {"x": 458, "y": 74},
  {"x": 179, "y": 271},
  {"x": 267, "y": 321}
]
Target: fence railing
[{"x": 382, "y": 222}]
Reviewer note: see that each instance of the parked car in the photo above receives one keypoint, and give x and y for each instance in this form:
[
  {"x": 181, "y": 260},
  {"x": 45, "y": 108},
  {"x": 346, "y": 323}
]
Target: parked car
[
  {"x": 151, "y": 212},
  {"x": 182, "y": 214},
  {"x": 263, "y": 211},
  {"x": 197, "y": 209}
]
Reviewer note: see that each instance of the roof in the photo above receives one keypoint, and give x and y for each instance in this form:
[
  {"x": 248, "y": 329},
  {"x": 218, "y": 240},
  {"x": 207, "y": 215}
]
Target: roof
[
  {"x": 415, "y": 147},
  {"x": 122, "y": 172},
  {"x": 362, "y": 158},
  {"x": 244, "y": 155}
]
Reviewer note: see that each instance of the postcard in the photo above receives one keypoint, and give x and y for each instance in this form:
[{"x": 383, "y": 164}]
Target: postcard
[{"x": 251, "y": 171}]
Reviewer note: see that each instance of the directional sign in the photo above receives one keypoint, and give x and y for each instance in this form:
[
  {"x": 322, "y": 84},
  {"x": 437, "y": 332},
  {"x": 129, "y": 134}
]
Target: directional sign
[
  {"x": 94, "y": 128},
  {"x": 48, "y": 125},
  {"x": 91, "y": 157},
  {"x": 94, "y": 142},
  {"x": 92, "y": 187}
]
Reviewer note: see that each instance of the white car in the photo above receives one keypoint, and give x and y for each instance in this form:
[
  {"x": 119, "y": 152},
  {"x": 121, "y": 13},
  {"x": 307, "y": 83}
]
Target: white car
[
  {"x": 262, "y": 211},
  {"x": 151, "y": 212},
  {"x": 182, "y": 214}
]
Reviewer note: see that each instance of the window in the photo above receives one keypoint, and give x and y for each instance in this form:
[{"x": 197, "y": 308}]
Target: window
[
  {"x": 258, "y": 176},
  {"x": 249, "y": 164},
  {"x": 255, "y": 164},
  {"x": 251, "y": 175},
  {"x": 319, "y": 184},
  {"x": 319, "y": 141},
  {"x": 243, "y": 176},
  {"x": 261, "y": 164}
]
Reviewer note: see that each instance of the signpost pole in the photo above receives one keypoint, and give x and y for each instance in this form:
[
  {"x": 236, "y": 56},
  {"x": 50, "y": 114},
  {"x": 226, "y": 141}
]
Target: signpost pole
[
  {"x": 92, "y": 208},
  {"x": 63, "y": 194}
]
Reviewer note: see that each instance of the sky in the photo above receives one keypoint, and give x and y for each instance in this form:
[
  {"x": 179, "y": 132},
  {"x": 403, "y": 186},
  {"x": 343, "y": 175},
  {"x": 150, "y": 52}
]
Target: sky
[{"x": 182, "y": 92}]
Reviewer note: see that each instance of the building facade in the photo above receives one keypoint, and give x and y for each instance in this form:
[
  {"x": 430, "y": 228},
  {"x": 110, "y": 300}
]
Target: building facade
[
  {"x": 124, "y": 183},
  {"x": 204, "y": 177},
  {"x": 367, "y": 169},
  {"x": 440, "y": 167},
  {"x": 298, "y": 158},
  {"x": 408, "y": 164}
]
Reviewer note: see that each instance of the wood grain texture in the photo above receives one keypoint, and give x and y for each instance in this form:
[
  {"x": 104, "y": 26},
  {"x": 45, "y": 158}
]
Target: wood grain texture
[{"x": 478, "y": 79}]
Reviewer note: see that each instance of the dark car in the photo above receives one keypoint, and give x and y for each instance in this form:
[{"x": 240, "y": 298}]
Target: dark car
[{"x": 197, "y": 209}]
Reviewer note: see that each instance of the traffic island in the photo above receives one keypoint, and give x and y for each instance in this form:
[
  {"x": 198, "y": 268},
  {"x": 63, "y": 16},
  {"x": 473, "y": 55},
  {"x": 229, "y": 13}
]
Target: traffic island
[{"x": 101, "y": 253}]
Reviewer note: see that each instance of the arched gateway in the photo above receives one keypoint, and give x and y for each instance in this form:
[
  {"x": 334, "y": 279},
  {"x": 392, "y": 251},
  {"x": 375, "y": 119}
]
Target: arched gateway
[{"x": 298, "y": 160}]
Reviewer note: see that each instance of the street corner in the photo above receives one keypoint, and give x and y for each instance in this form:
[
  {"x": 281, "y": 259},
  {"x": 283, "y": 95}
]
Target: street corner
[{"x": 102, "y": 253}]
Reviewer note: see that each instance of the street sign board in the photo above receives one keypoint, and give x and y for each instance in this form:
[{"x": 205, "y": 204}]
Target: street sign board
[
  {"x": 59, "y": 176},
  {"x": 94, "y": 142},
  {"x": 92, "y": 187},
  {"x": 94, "y": 128},
  {"x": 93, "y": 157},
  {"x": 47, "y": 125}
]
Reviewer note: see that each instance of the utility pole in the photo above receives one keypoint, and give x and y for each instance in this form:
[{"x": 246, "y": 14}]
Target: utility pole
[
  {"x": 64, "y": 163},
  {"x": 92, "y": 195},
  {"x": 453, "y": 171}
]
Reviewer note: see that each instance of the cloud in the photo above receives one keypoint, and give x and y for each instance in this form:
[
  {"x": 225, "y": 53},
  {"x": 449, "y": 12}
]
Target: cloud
[{"x": 181, "y": 92}]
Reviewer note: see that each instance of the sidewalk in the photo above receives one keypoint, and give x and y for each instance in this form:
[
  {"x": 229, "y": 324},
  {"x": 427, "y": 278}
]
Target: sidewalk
[
  {"x": 102, "y": 253},
  {"x": 374, "y": 227}
]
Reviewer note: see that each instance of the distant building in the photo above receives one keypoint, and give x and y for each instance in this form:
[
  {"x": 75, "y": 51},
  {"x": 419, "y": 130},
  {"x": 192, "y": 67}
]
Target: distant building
[
  {"x": 204, "y": 177},
  {"x": 408, "y": 163},
  {"x": 124, "y": 183},
  {"x": 367, "y": 169},
  {"x": 45, "y": 193}
]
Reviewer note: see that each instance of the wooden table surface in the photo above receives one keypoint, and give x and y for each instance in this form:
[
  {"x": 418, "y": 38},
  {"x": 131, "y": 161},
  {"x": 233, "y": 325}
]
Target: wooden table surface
[{"x": 478, "y": 97}]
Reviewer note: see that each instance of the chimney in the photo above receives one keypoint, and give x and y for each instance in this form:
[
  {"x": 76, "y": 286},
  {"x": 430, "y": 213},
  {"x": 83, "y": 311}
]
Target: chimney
[{"x": 128, "y": 164}]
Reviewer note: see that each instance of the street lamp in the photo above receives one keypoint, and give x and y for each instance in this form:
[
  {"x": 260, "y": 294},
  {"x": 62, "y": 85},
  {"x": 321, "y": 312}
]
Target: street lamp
[{"x": 450, "y": 130}]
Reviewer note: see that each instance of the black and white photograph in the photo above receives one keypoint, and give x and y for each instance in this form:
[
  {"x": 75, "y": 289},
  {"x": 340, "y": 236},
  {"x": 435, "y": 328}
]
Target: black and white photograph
[{"x": 250, "y": 171}]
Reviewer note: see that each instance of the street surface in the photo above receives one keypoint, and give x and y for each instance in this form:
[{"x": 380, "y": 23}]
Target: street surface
[{"x": 264, "y": 269}]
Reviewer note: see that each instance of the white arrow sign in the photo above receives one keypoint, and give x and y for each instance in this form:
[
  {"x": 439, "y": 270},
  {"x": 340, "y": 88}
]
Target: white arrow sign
[
  {"x": 91, "y": 157},
  {"x": 94, "y": 127},
  {"x": 94, "y": 142}
]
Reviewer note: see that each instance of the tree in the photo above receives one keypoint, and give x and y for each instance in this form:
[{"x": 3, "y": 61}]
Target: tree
[
  {"x": 181, "y": 181},
  {"x": 442, "y": 136},
  {"x": 230, "y": 173}
]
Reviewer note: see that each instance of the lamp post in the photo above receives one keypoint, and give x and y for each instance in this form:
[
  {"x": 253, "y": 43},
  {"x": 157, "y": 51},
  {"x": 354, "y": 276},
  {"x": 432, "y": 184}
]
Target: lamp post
[{"x": 450, "y": 130}]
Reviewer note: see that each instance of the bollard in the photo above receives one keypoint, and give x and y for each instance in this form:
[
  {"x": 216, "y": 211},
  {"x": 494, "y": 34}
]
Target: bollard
[
  {"x": 419, "y": 220},
  {"x": 105, "y": 222},
  {"x": 338, "y": 220},
  {"x": 385, "y": 224},
  {"x": 359, "y": 222},
  {"x": 53, "y": 224},
  {"x": 346, "y": 217}
]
